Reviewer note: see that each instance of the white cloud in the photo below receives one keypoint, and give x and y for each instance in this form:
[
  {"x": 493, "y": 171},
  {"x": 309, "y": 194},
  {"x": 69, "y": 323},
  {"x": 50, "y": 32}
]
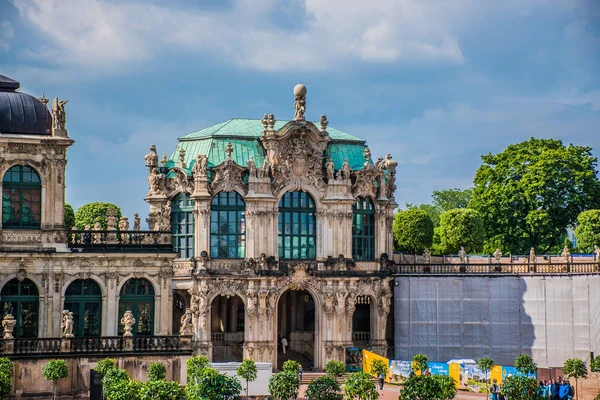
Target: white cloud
[
  {"x": 104, "y": 34},
  {"x": 6, "y": 35}
]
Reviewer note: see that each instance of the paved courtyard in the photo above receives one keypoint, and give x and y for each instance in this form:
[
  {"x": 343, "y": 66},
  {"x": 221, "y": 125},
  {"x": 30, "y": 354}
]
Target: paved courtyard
[{"x": 390, "y": 392}]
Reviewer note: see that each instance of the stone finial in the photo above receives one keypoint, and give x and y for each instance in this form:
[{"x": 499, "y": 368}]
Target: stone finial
[
  {"x": 182, "y": 157},
  {"x": 229, "y": 150},
  {"x": 462, "y": 254},
  {"x": 127, "y": 321},
  {"x": 136, "y": 222},
  {"x": 427, "y": 255},
  {"x": 44, "y": 100},
  {"x": 532, "y": 255},
  {"x": 164, "y": 160},
  {"x": 367, "y": 155},
  {"x": 124, "y": 224},
  {"x": 299, "y": 102},
  {"x": 151, "y": 158},
  {"x": 111, "y": 219},
  {"x": 324, "y": 123},
  {"x": 271, "y": 122},
  {"x": 566, "y": 254},
  {"x": 498, "y": 255},
  {"x": 265, "y": 122},
  {"x": 67, "y": 324},
  {"x": 8, "y": 323}
]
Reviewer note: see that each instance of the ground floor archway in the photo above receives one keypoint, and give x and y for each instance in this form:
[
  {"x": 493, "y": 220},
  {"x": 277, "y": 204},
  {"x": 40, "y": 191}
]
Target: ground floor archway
[
  {"x": 227, "y": 322},
  {"x": 296, "y": 323},
  {"x": 362, "y": 322}
]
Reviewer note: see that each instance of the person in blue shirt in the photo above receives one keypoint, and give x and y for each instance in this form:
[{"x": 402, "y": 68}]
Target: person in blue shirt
[
  {"x": 563, "y": 391},
  {"x": 495, "y": 390}
]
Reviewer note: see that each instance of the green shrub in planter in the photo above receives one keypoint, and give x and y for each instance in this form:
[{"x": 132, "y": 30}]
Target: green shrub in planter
[
  {"x": 53, "y": 371},
  {"x": 161, "y": 390},
  {"x": 104, "y": 365},
  {"x": 324, "y": 388},
  {"x": 335, "y": 368}
]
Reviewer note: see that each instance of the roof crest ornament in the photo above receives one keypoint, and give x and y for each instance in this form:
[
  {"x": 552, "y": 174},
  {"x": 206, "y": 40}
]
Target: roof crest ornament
[
  {"x": 299, "y": 102},
  {"x": 229, "y": 150},
  {"x": 324, "y": 123}
]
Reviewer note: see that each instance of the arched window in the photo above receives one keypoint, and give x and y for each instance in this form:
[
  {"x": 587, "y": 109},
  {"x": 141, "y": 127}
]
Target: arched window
[
  {"x": 363, "y": 229},
  {"x": 297, "y": 227},
  {"x": 182, "y": 225},
  {"x": 228, "y": 226},
  {"x": 21, "y": 299},
  {"x": 84, "y": 299},
  {"x": 21, "y": 198},
  {"x": 137, "y": 296}
]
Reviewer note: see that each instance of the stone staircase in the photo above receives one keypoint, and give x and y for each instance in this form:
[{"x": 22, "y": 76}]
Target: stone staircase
[{"x": 307, "y": 365}]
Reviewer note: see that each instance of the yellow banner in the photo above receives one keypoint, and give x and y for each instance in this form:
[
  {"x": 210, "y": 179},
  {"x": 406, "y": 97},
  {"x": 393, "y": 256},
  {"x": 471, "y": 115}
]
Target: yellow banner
[{"x": 367, "y": 359}]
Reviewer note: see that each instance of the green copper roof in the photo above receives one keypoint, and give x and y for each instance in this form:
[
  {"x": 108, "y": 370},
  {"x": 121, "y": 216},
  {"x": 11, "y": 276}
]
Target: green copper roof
[{"x": 244, "y": 135}]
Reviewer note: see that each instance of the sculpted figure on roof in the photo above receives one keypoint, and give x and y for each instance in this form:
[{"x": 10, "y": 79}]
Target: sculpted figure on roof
[
  {"x": 200, "y": 165},
  {"x": 151, "y": 158},
  {"x": 251, "y": 167},
  {"x": 330, "y": 169}
]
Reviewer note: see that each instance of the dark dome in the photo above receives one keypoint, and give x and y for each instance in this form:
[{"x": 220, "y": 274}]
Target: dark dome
[{"x": 20, "y": 112}]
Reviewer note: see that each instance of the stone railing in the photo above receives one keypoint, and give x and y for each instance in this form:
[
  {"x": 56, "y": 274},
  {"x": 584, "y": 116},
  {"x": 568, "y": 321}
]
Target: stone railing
[
  {"x": 361, "y": 337},
  {"x": 121, "y": 240},
  {"x": 529, "y": 268},
  {"x": 97, "y": 345}
]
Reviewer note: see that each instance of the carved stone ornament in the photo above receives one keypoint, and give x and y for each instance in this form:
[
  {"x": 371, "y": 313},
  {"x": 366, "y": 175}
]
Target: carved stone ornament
[
  {"x": 187, "y": 328},
  {"x": 228, "y": 287},
  {"x": 8, "y": 323},
  {"x": 127, "y": 321},
  {"x": 299, "y": 102},
  {"x": 179, "y": 183},
  {"x": 498, "y": 255},
  {"x": 151, "y": 158},
  {"x": 566, "y": 254},
  {"x": 21, "y": 275},
  {"x": 163, "y": 220},
  {"x": 228, "y": 177},
  {"x": 199, "y": 169},
  {"x": 366, "y": 178},
  {"x": 156, "y": 182},
  {"x": 462, "y": 254},
  {"x": 67, "y": 324},
  {"x": 59, "y": 115}
]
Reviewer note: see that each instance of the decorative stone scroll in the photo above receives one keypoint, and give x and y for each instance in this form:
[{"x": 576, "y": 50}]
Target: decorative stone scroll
[{"x": 228, "y": 175}]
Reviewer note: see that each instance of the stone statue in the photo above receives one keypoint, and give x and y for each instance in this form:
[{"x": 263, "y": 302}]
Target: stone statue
[
  {"x": 462, "y": 254},
  {"x": 251, "y": 167},
  {"x": 8, "y": 323},
  {"x": 124, "y": 224},
  {"x": 200, "y": 165},
  {"x": 127, "y": 321},
  {"x": 155, "y": 181},
  {"x": 264, "y": 172},
  {"x": 532, "y": 255},
  {"x": 330, "y": 169},
  {"x": 97, "y": 226},
  {"x": 427, "y": 256},
  {"x": 59, "y": 116},
  {"x": 380, "y": 163},
  {"x": 299, "y": 102},
  {"x": 271, "y": 122},
  {"x": 182, "y": 157},
  {"x": 164, "y": 160},
  {"x": 44, "y": 100},
  {"x": 498, "y": 255},
  {"x": 596, "y": 252},
  {"x": 339, "y": 177},
  {"x": 67, "y": 324},
  {"x": 324, "y": 123},
  {"x": 390, "y": 164},
  {"x": 265, "y": 122},
  {"x": 228, "y": 150},
  {"x": 367, "y": 155},
  {"x": 566, "y": 254},
  {"x": 136, "y": 222},
  {"x": 164, "y": 219},
  {"x": 151, "y": 159},
  {"x": 187, "y": 328},
  {"x": 346, "y": 170},
  {"x": 111, "y": 219}
]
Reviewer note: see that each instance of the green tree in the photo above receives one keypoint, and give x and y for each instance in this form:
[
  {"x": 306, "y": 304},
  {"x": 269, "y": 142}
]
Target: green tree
[
  {"x": 292, "y": 366},
  {"x": 517, "y": 387},
  {"x": 588, "y": 230},
  {"x": 420, "y": 363},
  {"x": 157, "y": 372},
  {"x": 53, "y": 371},
  {"x": 413, "y": 231},
  {"x": 378, "y": 367},
  {"x": 284, "y": 385},
  {"x": 524, "y": 364},
  {"x": 91, "y": 213},
  {"x": 195, "y": 366},
  {"x": 247, "y": 371},
  {"x": 451, "y": 199},
  {"x": 461, "y": 227},
  {"x": 485, "y": 365},
  {"x": 69, "y": 217},
  {"x": 431, "y": 210},
  {"x": 428, "y": 387},
  {"x": 531, "y": 192},
  {"x": 6, "y": 373},
  {"x": 161, "y": 390},
  {"x": 360, "y": 386},
  {"x": 335, "y": 368},
  {"x": 595, "y": 364},
  {"x": 105, "y": 365},
  {"x": 324, "y": 388},
  {"x": 575, "y": 368},
  {"x": 210, "y": 384}
]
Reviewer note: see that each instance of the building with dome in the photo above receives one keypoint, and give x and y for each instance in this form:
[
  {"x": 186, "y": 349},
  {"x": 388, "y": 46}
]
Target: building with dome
[{"x": 257, "y": 230}]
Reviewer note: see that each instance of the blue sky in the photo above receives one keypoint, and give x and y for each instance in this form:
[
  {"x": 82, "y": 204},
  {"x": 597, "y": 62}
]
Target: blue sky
[{"x": 435, "y": 83}]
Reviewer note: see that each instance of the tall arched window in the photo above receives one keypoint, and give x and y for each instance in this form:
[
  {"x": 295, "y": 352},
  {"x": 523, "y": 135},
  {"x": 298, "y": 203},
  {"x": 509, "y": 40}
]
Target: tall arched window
[
  {"x": 182, "y": 225},
  {"x": 363, "y": 229},
  {"x": 137, "y": 296},
  {"x": 21, "y": 300},
  {"x": 297, "y": 227},
  {"x": 228, "y": 226},
  {"x": 84, "y": 299},
  {"x": 21, "y": 198}
]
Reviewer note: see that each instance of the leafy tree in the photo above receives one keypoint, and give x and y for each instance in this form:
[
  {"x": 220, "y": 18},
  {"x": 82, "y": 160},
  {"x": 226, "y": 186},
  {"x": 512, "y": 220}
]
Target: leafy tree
[
  {"x": 525, "y": 365},
  {"x": 485, "y": 365},
  {"x": 247, "y": 371},
  {"x": 195, "y": 366},
  {"x": 105, "y": 365},
  {"x": 69, "y": 217},
  {"x": 324, "y": 388},
  {"x": 588, "y": 230},
  {"x": 91, "y": 213},
  {"x": 335, "y": 368},
  {"x": 157, "y": 372},
  {"x": 210, "y": 384},
  {"x": 451, "y": 199},
  {"x": 413, "y": 231},
  {"x": 378, "y": 367},
  {"x": 421, "y": 363},
  {"x": 53, "y": 371},
  {"x": 360, "y": 386},
  {"x": 520, "y": 388},
  {"x": 116, "y": 385},
  {"x": 595, "y": 364},
  {"x": 161, "y": 390},
  {"x": 531, "y": 192},
  {"x": 431, "y": 210},
  {"x": 284, "y": 385},
  {"x": 428, "y": 387},
  {"x": 575, "y": 368},
  {"x": 461, "y": 227},
  {"x": 292, "y": 366},
  {"x": 6, "y": 373}
]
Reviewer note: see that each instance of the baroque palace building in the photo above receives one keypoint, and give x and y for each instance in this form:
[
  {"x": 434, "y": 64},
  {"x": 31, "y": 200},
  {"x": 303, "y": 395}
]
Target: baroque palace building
[{"x": 257, "y": 230}]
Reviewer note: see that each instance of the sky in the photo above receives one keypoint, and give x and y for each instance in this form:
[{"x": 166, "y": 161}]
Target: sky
[{"x": 435, "y": 83}]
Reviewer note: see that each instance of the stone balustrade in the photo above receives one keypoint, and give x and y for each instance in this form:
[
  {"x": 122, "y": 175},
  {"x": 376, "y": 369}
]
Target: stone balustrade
[{"x": 124, "y": 240}]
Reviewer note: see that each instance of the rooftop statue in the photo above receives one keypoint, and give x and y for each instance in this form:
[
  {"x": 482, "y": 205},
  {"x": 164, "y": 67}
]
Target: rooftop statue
[
  {"x": 59, "y": 116},
  {"x": 299, "y": 102},
  {"x": 151, "y": 158},
  {"x": 346, "y": 170},
  {"x": 330, "y": 169},
  {"x": 324, "y": 123},
  {"x": 251, "y": 166}
]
